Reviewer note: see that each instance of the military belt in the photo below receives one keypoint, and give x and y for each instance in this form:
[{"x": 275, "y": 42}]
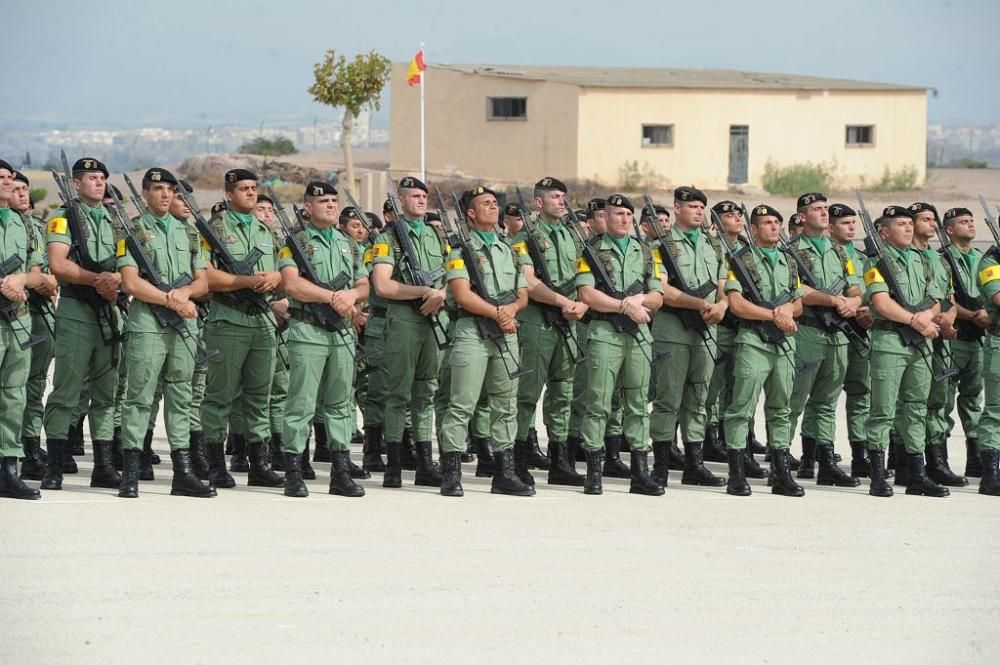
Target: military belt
[
  {"x": 887, "y": 325},
  {"x": 235, "y": 303}
]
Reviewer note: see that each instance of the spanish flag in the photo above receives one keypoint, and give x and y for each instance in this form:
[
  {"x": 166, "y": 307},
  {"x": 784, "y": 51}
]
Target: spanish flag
[{"x": 416, "y": 66}]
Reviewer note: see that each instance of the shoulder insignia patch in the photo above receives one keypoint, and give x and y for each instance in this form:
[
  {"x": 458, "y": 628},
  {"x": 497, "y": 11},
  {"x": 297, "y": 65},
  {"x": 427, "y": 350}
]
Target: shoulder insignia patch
[
  {"x": 987, "y": 275},
  {"x": 873, "y": 276},
  {"x": 120, "y": 249},
  {"x": 457, "y": 264},
  {"x": 582, "y": 266},
  {"x": 380, "y": 249},
  {"x": 520, "y": 247},
  {"x": 284, "y": 253},
  {"x": 58, "y": 225}
]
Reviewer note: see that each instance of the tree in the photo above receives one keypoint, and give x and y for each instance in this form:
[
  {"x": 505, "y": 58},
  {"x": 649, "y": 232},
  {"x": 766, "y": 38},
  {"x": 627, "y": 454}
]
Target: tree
[
  {"x": 352, "y": 85},
  {"x": 280, "y": 145}
]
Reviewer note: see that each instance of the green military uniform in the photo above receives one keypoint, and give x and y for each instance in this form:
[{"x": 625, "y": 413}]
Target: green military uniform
[
  {"x": 42, "y": 326},
  {"x": 989, "y": 423},
  {"x": 857, "y": 379}
]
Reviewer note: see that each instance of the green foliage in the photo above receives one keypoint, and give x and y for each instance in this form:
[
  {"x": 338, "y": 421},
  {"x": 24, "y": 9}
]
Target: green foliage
[
  {"x": 268, "y": 147},
  {"x": 351, "y": 85},
  {"x": 37, "y": 194},
  {"x": 794, "y": 179},
  {"x": 902, "y": 180},
  {"x": 634, "y": 177},
  {"x": 969, "y": 163}
]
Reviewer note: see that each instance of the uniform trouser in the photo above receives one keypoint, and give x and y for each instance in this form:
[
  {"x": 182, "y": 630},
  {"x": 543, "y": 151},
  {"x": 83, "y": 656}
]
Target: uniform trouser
[
  {"x": 276, "y": 399},
  {"x": 197, "y": 386},
  {"x": 901, "y": 383},
  {"x": 754, "y": 369},
  {"x": 374, "y": 409},
  {"x": 150, "y": 357},
  {"x": 681, "y": 391},
  {"x": 816, "y": 390},
  {"x": 989, "y": 423},
  {"x": 245, "y": 362},
  {"x": 81, "y": 356},
  {"x": 544, "y": 352},
  {"x": 121, "y": 388},
  {"x": 319, "y": 389},
  {"x": 857, "y": 389},
  {"x": 967, "y": 360},
  {"x": 938, "y": 423},
  {"x": 412, "y": 361},
  {"x": 609, "y": 361},
  {"x": 479, "y": 423},
  {"x": 38, "y": 374},
  {"x": 614, "y": 427},
  {"x": 720, "y": 388},
  {"x": 14, "y": 364},
  {"x": 477, "y": 368}
]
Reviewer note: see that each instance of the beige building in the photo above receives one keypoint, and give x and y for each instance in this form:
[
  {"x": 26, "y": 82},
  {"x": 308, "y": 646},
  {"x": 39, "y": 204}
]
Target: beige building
[{"x": 711, "y": 128}]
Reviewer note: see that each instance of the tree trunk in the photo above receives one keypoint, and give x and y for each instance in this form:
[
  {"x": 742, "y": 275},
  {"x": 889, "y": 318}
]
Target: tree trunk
[{"x": 347, "y": 126}]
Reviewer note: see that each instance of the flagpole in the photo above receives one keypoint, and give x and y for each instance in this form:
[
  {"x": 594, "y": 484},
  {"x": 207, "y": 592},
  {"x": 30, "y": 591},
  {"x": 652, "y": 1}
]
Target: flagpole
[{"x": 423, "y": 150}]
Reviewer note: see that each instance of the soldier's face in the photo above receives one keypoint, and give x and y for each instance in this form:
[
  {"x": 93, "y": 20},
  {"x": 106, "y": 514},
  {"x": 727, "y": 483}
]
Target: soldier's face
[
  {"x": 413, "y": 202},
  {"x": 689, "y": 214},
  {"x": 513, "y": 224},
  {"x": 243, "y": 196},
  {"x": 158, "y": 197},
  {"x": 843, "y": 229},
  {"x": 552, "y": 204},
  {"x": 961, "y": 228},
  {"x": 264, "y": 212},
  {"x": 484, "y": 211},
  {"x": 899, "y": 231},
  {"x": 599, "y": 222},
  {"x": 20, "y": 199},
  {"x": 90, "y": 187},
  {"x": 766, "y": 230},
  {"x": 924, "y": 225},
  {"x": 732, "y": 222},
  {"x": 664, "y": 220},
  {"x": 179, "y": 209},
  {"x": 6, "y": 184},
  {"x": 619, "y": 221},
  {"x": 816, "y": 217},
  {"x": 323, "y": 210},
  {"x": 355, "y": 229}
]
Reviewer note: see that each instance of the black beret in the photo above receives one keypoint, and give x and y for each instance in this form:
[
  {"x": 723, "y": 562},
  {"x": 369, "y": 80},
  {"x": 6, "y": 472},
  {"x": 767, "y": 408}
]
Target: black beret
[
  {"x": 264, "y": 198},
  {"x": 581, "y": 213},
  {"x": 219, "y": 207},
  {"x": 764, "y": 210},
  {"x": 809, "y": 199},
  {"x": 350, "y": 212},
  {"x": 20, "y": 177},
  {"x": 159, "y": 175},
  {"x": 236, "y": 175},
  {"x": 512, "y": 210},
  {"x": 896, "y": 211},
  {"x": 839, "y": 210},
  {"x": 374, "y": 220},
  {"x": 5, "y": 165},
  {"x": 432, "y": 216},
  {"x": 920, "y": 206},
  {"x": 409, "y": 182},
  {"x": 952, "y": 213},
  {"x": 551, "y": 183},
  {"x": 320, "y": 188},
  {"x": 690, "y": 194},
  {"x": 186, "y": 186},
  {"x": 474, "y": 192},
  {"x": 111, "y": 188},
  {"x": 387, "y": 206},
  {"x": 620, "y": 201},
  {"x": 794, "y": 221},
  {"x": 89, "y": 165},
  {"x": 596, "y": 204},
  {"x": 725, "y": 206}
]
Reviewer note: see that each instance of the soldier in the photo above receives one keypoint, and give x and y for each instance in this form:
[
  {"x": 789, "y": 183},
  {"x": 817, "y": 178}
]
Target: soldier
[
  {"x": 823, "y": 352},
  {"x": 513, "y": 220},
  {"x": 543, "y": 350},
  {"x": 988, "y": 430},
  {"x": 901, "y": 375},
  {"x": 628, "y": 263},
  {"x": 794, "y": 226},
  {"x": 88, "y": 325},
  {"x": 154, "y": 350},
  {"x": 760, "y": 365},
  {"x": 477, "y": 364},
  {"x": 321, "y": 360},
  {"x": 243, "y": 333},
  {"x": 412, "y": 361},
  {"x": 682, "y": 382}
]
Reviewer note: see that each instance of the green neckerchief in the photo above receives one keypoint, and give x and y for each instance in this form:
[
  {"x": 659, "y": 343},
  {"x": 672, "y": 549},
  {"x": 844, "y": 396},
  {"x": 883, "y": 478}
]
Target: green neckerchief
[
  {"x": 96, "y": 213},
  {"x": 488, "y": 237},
  {"x": 416, "y": 225},
  {"x": 849, "y": 248},
  {"x": 903, "y": 254},
  {"x": 327, "y": 233},
  {"x": 4, "y": 215},
  {"x": 620, "y": 243},
  {"x": 692, "y": 236},
  {"x": 244, "y": 218},
  {"x": 163, "y": 221},
  {"x": 771, "y": 254},
  {"x": 549, "y": 229},
  {"x": 970, "y": 260},
  {"x": 820, "y": 243}
]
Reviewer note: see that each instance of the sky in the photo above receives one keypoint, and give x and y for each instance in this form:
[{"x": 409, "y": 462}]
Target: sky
[{"x": 197, "y": 63}]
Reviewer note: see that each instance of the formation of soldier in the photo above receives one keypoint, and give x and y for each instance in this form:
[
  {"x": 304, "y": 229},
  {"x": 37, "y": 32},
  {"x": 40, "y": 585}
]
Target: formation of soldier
[{"x": 642, "y": 328}]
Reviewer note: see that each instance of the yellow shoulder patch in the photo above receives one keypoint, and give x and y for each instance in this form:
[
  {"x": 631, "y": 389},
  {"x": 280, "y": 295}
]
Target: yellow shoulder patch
[
  {"x": 284, "y": 253},
  {"x": 987, "y": 275},
  {"x": 120, "y": 248},
  {"x": 367, "y": 258},
  {"x": 447, "y": 249},
  {"x": 849, "y": 267},
  {"x": 657, "y": 257},
  {"x": 456, "y": 264},
  {"x": 582, "y": 266},
  {"x": 731, "y": 276},
  {"x": 58, "y": 225},
  {"x": 656, "y": 270},
  {"x": 520, "y": 247},
  {"x": 204, "y": 244},
  {"x": 873, "y": 276},
  {"x": 380, "y": 249}
]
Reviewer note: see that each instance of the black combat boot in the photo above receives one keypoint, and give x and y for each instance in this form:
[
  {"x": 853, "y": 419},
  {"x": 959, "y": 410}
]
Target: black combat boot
[
  {"x": 428, "y": 473},
  {"x": 451, "y": 474},
  {"x": 341, "y": 482},
  {"x": 592, "y": 484},
  {"x": 295, "y": 486},
  {"x": 902, "y": 468},
  {"x": 129, "y": 487},
  {"x": 104, "y": 474},
  {"x": 260, "y": 474},
  {"x": 807, "y": 465},
  {"x": 53, "y": 477},
  {"x": 973, "y": 460},
  {"x": 919, "y": 484},
  {"x": 274, "y": 455},
  {"x": 154, "y": 459},
  {"x": 484, "y": 458},
  {"x": 712, "y": 449},
  {"x": 563, "y": 468},
  {"x": 661, "y": 456},
  {"x": 613, "y": 465},
  {"x": 218, "y": 477},
  {"x": 371, "y": 458},
  {"x": 470, "y": 451},
  {"x": 199, "y": 454},
  {"x": 75, "y": 438},
  {"x": 239, "y": 463},
  {"x": 989, "y": 460},
  {"x": 393, "y": 467},
  {"x": 32, "y": 468},
  {"x": 878, "y": 486},
  {"x": 642, "y": 482},
  {"x": 937, "y": 466},
  {"x": 860, "y": 467},
  {"x": 753, "y": 445},
  {"x": 890, "y": 461},
  {"x": 69, "y": 466},
  {"x": 408, "y": 452},
  {"x": 737, "y": 484},
  {"x": 675, "y": 461},
  {"x": 574, "y": 448},
  {"x": 185, "y": 483},
  {"x": 116, "y": 448},
  {"x": 695, "y": 472},
  {"x": 11, "y": 486},
  {"x": 781, "y": 480},
  {"x": 358, "y": 436},
  {"x": 146, "y": 458},
  {"x": 308, "y": 472},
  {"x": 536, "y": 458},
  {"x": 522, "y": 453},
  {"x": 505, "y": 480},
  {"x": 323, "y": 453},
  {"x": 829, "y": 472},
  {"x": 751, "y": 469}
]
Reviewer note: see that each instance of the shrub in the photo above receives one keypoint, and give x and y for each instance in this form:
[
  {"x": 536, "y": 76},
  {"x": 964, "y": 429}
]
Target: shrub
[
  {"x": 269, "y": 147},
  {"x": 37, "y": 194},
  {"x": 634, "y": 178},
  {"x": 969, "y": 163},
  {"x": 794, "y": 179},
  {"x": 902, "y": 180}
]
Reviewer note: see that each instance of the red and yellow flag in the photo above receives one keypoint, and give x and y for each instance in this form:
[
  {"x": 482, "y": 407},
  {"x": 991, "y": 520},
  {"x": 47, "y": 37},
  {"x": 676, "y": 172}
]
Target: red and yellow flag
[{"x": 416, "y": 66}]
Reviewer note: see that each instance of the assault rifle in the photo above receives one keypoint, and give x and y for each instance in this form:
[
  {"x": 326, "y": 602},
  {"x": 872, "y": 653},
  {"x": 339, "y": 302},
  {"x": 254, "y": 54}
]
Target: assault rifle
[
  {"x": 8, "y": 308},
  {"x": 991, "y": 224},
  {"x": 966, "y": 300}
]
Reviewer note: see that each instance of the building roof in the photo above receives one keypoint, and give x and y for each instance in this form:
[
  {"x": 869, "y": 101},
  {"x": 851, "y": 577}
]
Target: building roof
[{"x": 695, "y": 79}]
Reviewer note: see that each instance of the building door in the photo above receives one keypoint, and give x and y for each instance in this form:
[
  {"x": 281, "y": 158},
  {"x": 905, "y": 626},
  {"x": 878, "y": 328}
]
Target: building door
[{"x": 739, "y": 153}]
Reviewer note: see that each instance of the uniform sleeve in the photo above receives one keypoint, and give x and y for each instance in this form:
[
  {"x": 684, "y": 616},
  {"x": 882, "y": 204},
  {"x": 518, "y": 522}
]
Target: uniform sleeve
[
  {"x": 874, "y": 282},
  {"x": 455, "y": 266},
  {"x": 723, "y": 272},
  {"x": 37, "y": 256},
  {"x": 360, "y": 267},
  {"x": 653, "y": 284},
  {"x": 852, "y": 270},
  {"x": 123, "y": 255},
  {"x": 989, "y": 276},
  {"x": 520, "y": 246},
  {"x": 583, "y": 275},
  {"x": 58, "y": 229},
  {"x": 285, "y": 259},
  {"x": 732, "y": 284},
  {"x": 382, "y": 251}
]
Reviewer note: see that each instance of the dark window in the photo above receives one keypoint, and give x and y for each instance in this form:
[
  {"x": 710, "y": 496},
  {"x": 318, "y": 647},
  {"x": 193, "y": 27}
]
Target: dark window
[
  {"x": 657, "y": 135},
  {"x": 507, "y": 108},
  {"x": 860, "y": 134}
]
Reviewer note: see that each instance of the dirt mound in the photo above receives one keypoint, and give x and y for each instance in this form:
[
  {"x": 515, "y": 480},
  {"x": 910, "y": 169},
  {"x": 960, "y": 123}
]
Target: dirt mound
[{"x": 206, "y": 171}]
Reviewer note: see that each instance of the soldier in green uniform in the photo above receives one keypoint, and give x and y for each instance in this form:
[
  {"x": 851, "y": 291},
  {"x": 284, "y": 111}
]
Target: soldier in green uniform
[
  {"x": 757, "y": 364},
  {"x": 682, "y": 382},
  {"x": 244, "y": 335},
  {"x": 613, "y": 355},
  {"x": 412, "y": 360},
  {"x": 967, "y": 349},
  {"x": 89, "y": 330},
  {"x": 154, "y": 350},
  {"x": 18, "y": 242},
  {"x": 901, "y": 375},
  {"x": 988, "y": 431},
  {"x": 321, "y": 359},
  {"x": 857, "y": 378},
  {"x": 817, "y": 388},
  {"x": 477, "y": 365},
  {"x": 542, "y": 348},
  {"x": 925, "y": 221}
]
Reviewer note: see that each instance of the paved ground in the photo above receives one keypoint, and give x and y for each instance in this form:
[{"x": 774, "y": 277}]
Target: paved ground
[{"x": 695, "y": 576}]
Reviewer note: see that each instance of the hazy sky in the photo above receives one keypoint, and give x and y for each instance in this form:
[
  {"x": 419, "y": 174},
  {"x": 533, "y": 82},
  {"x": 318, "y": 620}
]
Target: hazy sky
[{"x": 185, "y": 61}]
